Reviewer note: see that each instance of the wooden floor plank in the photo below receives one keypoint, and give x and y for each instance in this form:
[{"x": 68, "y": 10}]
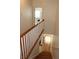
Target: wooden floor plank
[{"x": 44, "y": 55}]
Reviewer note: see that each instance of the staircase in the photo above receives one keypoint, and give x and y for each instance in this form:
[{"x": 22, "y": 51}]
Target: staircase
[
  {"x": 29, "y": 39},
  {"x": 44, "y": 55}
]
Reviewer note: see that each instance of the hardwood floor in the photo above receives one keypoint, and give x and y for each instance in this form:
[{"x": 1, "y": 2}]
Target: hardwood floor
[{"x": 44, "y": 55}]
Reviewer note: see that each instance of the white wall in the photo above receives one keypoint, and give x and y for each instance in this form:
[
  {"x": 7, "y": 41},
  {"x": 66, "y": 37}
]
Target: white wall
[
  {"x": 51, "y": 16},
  {"x": 26, "y": 20}
]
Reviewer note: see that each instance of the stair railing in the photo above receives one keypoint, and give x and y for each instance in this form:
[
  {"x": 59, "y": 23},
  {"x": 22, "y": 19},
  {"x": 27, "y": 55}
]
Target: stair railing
[{"x": 29, "y": 39}]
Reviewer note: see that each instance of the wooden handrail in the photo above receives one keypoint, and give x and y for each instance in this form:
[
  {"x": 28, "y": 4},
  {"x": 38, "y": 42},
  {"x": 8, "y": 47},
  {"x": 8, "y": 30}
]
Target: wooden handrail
[
  {"x": 24, "y": 34},
  {"x": 31, "y": 28}
]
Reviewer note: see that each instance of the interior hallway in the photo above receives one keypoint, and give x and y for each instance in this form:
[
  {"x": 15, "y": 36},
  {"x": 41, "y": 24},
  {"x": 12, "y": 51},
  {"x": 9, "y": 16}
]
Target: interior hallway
[{"x": 48, "y": 10}]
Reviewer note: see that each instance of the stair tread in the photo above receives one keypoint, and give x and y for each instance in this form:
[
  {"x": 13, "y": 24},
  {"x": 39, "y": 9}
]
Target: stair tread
[{"x": 44, "y": 55}]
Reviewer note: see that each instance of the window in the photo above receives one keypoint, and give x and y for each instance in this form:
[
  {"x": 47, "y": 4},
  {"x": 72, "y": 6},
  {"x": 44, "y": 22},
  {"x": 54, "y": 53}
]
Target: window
[{"x": 38, "y": 15}]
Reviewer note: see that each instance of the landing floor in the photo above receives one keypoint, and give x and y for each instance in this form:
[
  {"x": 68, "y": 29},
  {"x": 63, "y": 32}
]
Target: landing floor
[{"x": 44, "y": 55}]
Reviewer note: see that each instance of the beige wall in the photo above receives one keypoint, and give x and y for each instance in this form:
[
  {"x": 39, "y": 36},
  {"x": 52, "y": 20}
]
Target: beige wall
[
  {"x": 25, "y": 15},
  {"x": 51, "y": 16},
  {"x": 37, "y": 4},
  {"x": 57, "y": 25}
]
